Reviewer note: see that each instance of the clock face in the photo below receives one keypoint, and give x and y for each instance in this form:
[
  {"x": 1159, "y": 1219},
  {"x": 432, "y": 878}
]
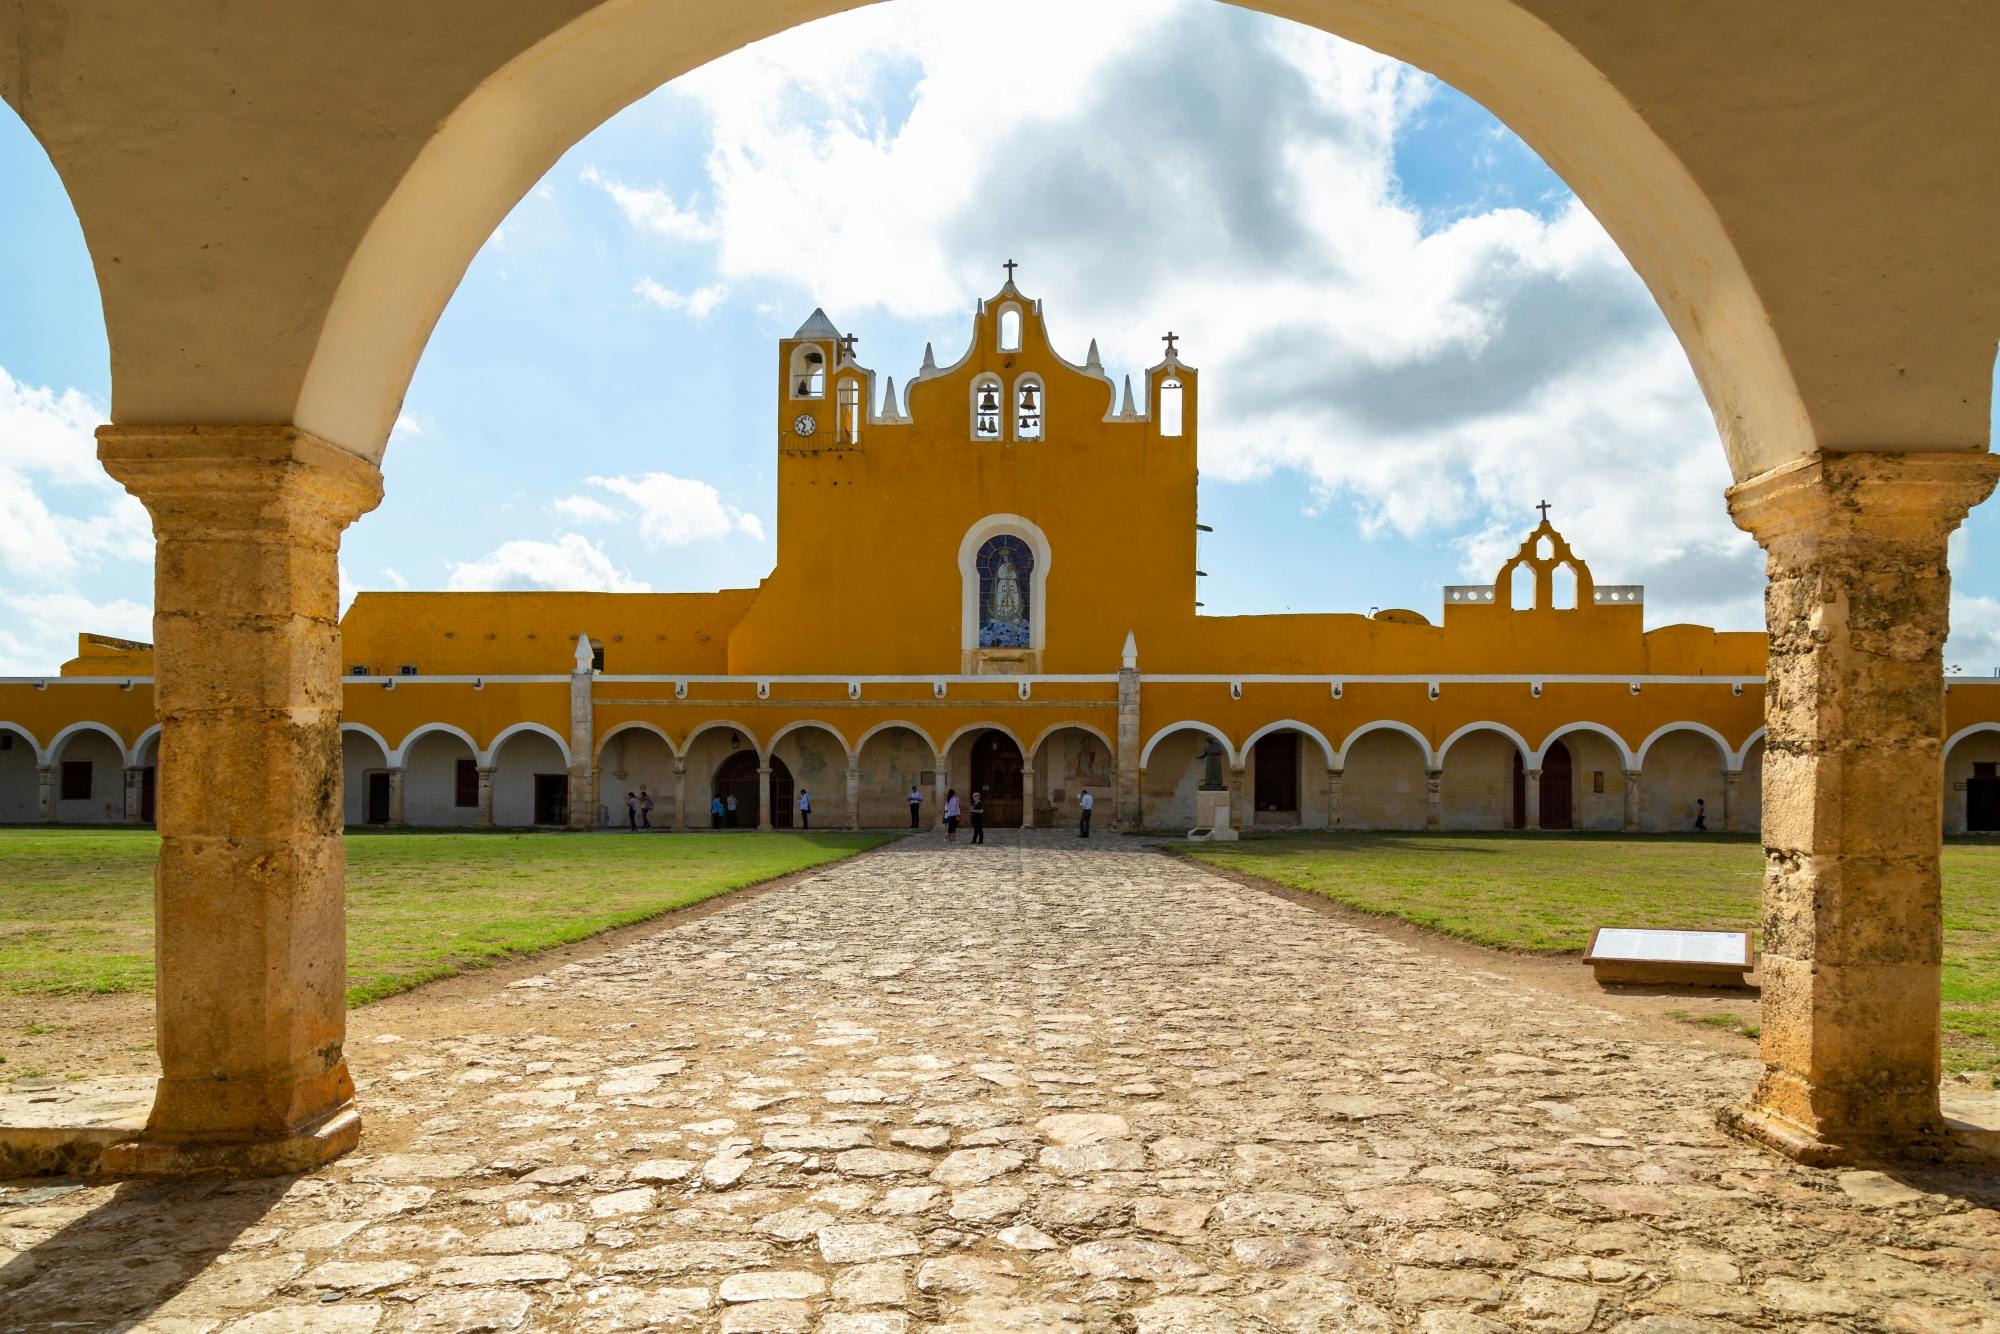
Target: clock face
[{"x": 804, "y": 424}]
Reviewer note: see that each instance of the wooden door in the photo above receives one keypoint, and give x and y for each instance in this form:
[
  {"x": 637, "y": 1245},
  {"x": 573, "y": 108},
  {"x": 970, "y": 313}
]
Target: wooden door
[
  {"x": 378, "y": 799},
  {"x": 1982, "y": 804},
  {"x": 1556, "y": 788},
  {"x": 551, "y": 798},
  {"x": 149, "y": 792},
  {"x": 1277, "y": 774},
  {"x": 996, "y": 774},
  {"x": 1520, "y": 793}
]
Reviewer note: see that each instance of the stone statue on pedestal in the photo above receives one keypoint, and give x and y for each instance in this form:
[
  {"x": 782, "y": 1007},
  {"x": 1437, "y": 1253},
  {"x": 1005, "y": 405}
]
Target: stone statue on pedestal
[{"x": 1211, "y": 773}]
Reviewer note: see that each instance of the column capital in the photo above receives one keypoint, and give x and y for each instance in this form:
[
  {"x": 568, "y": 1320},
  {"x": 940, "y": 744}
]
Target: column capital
[
  {"x": 1836, "y": 499},
  {"x": 191, "y": 477}
]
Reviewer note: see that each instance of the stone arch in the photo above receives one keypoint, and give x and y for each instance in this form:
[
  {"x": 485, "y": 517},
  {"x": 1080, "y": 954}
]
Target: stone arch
[
  {"x": 20, "y": 779},
  {"x": 1229, "y": 750},
  {"x": 418, "y": 733},
  {"x": 1476, "y": 783},
  {"x": 1285, "y": 784},
  {"x": 1170, "y": 772},
  {"x": 365, "y": 759},
  {"x": 512, "y": 730},
  {"x": 1748, "y": 816},
  {"x": 1725, "y": 755},
  {"x": 1681, "y": 771},
  {"x": 1599, "y": 761},
  {"x": 440, "y": 766},
  {"x": 991, "y": 757},
  {"x": 1386, "y": 725},
  {"x": 530, "y": 765},
  {"x": 1625, "y": 756},
  {"x": 1972, "y": 801},
  {"x": 98, "y": 796},
  {"x": 704, "y": 751},
  {"x": 53, "y": 754},
  {"x": 818, "y": 770},
  {"x": 635, "y": 725},
  {"x": 1326, "y": 747},
  {"x": 717, "y": 725},
  {"x": 791, "y": 727},
  {"x": 1069, "y": 758},
  {"x": 1742, "y": 755},
  {"x": 636, "y": 757},
  {"x": 891, "y": 757}
]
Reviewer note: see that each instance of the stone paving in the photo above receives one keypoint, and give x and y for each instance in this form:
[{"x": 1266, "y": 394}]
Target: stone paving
[{"x": 1040, "y": 1085}]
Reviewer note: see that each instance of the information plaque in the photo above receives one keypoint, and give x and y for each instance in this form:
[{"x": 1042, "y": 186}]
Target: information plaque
[{"x": 1628, "y": 954}]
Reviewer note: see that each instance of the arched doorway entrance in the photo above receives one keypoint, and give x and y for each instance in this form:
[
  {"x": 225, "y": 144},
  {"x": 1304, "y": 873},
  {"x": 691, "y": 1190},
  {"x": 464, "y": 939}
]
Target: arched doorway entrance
[
  {"x": 738, "y": 778},
  {"x": 996, "y": 774},
  {"x": 1555, "y": 793}
]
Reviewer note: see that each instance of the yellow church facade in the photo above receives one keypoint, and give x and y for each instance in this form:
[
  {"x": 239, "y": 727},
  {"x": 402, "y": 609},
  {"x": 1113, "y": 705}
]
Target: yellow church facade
[{"x": 1031, "y": 631}]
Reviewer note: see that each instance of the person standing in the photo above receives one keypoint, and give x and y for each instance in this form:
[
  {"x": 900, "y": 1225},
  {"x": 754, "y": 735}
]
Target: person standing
[
  {"x": 916, "y": 804},
  {"x": 715, "y": 811},
  {"x": 805, "y": 809},
  {"x": 645, "y": 809},
  {"x": 978, "y": 817},
  {"x": 729, "y": 810},
  {"x": 632, "y": 811},
  {"x": 951, "y": 815},
  {"x": 1084, "y": 803},
  {"x": 1701, "y": 813}
]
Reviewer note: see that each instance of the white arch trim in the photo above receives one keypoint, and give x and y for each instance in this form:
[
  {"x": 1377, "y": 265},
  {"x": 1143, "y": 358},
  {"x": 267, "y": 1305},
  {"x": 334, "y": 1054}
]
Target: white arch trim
[
  {"x": 1956, "y": 737},
  {"x": 60, "y": 739},
  {"x": 970, "y": 728},
  {"x": 507, "y": 733},
  {"x": 771, "y": 748},
  {"x": 1054, "y": 728},
  {"x": 1290, "y": 725},
  {"x": 401, "y": 752},
  {"x": 1722, "y": 747},
  {"x": 27, "y": 736},
  {"x": 1386, "y": 725},
  {"x": 1229, "y": 750},
  {"x": 635, "y": 725},
  {"x": 1625, "y": 754},
  {"x": 1520, "y": 742},
  {"x": 1003, "y": 525},
  {"x": 359, "y": 729},
  {"x": 717, "y": 724},
  {"x": 139, "y": 746},
  {"x": 894, "y": 723},
  {"x": 1749, "y": 743}
]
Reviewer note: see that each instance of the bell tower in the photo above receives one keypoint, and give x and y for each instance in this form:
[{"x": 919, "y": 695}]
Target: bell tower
[{"x": 806, "y": 399}]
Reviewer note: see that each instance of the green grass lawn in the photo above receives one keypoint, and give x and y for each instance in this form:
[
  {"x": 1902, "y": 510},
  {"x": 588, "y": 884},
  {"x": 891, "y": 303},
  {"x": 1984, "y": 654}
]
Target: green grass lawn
[
  {"x": 76, "y": 905},
  {"x": 1544, "y": 892}
]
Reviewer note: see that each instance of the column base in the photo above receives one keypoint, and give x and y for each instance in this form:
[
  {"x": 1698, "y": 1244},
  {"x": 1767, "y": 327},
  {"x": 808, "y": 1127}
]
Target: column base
[
  {"x": 1801, "y": 1144},
  {"x": 299, "y": 1151}
]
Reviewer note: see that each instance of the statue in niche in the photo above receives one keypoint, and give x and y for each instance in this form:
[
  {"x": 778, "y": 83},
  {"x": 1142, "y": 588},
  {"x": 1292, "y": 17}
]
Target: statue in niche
[
  {"x": 1005, "y": 564},
  {"x": 1211, "y": 773},
  {"x": 1007, "y": 605}
]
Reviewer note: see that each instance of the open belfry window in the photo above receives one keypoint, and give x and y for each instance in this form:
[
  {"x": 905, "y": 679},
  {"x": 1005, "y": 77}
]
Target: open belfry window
[
  {"x": 986, "y": 407},
  {"x": 1010, "y": 329},
  {"x": 808, "y": 375},
  {"x": 1170, "y": 406},
  {"x": 848, "y": 418},
  {"x": 1028, "y": 404}
]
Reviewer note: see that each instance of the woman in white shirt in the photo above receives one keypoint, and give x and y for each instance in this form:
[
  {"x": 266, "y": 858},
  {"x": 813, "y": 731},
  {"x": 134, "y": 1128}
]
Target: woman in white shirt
[{"x": 951, "y": 815}]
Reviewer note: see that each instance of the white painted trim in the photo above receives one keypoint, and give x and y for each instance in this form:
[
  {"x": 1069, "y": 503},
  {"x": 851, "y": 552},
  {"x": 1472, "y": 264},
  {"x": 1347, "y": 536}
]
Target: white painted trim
[
  {"x": 634, "y": 724},
  {"x": 1736, "y": 762},
  {"x": 771, "y": 747},
  {"x": 1294, "y": 725},
  {"x": 493, "y": 751},
  {"x": 139, "y": 746},
  {"x": 40, "y": 681},
  {"x": 951, "y": 678},
  {"x": 1387, "y": 725},
  {"x": 359, "y": 729},
  {"x": 999, "y": 525},
  {"x": 1014, "y": 408},
  {"x": 1053, "y": 728},
  {"x": 405, "y": 682},
  {"x": 1956, "y": 737},
  {"x": 1520, "y": 742},
  {"x": 1722, "y": 746},
  {"x": 1624, "y": 751},
  {"x": 1146, "y": 753},
  {"x": 883, "y": 727},
  {"x": 716, "y": 724},
  {"x": 27, "y": 736},
  {"x": 1428, "y": 678},
  {"x": 57, "y": 741},
  {"x": 422, "y": 730},
  {"x": 945, "y": 753}
]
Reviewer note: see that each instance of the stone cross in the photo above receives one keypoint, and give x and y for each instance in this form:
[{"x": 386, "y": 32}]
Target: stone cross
[
  {"x": 1010, "y": 266},
  {"x": 1169, "y": 341},
  {"x": 1544, "y": 508},
  {"x": 847, "y": 342}
]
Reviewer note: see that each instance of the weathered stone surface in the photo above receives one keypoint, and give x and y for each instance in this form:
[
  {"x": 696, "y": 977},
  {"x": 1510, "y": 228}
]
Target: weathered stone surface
[
  {"x": 852, "y": 1243},
  {"x": 1132, "y": 1259},
  {"x": 772, "y": 1285}
]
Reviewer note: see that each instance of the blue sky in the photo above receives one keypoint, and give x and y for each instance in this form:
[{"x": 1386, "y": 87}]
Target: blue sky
[{"x": 1409, "y": 330}]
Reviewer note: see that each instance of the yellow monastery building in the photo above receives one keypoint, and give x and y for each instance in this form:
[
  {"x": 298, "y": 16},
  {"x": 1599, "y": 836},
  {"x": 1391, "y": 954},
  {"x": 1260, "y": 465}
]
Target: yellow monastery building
[{"x": 1022, "y": 650}]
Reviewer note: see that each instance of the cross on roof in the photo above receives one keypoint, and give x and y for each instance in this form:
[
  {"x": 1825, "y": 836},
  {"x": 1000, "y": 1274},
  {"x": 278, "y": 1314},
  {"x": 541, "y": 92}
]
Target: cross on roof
[
  {"x": 1544, "y": 508},
  {"x": 1169, "y": 341},
  {"x": 847, "y": 342},
  {"x": 1010, "y": 266}
]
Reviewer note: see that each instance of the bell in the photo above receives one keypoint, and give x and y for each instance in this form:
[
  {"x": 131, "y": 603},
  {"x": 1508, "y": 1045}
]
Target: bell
[
  {"x": 805, "y": 388},
  {"x": 988, "y": 401},
  {"x": 1028, "y": 397},
  {"x": 1027, "y": 423}
]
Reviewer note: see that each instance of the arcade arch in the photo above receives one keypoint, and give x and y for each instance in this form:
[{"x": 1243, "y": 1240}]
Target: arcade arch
[
  {"x": 1172, "y": 771},
  {"x": 1479, "y": 769},
  {"x": 1681, "y": 774},
  {"x": 707, "y": 752},
  {"x": 89, "y": 764},
  {"x": 890, "y": 759},
  {"x": 443, "y": 778},
  {"x": 1972, "y": 781},
  {"x": 637, "y": 758},
  {"x": 20, "y": 779},
  {"x": 987, "y": 758},
  {"x": 1066, "y": 761},
  {"x": 1383, "y": 777},
  {"x": 365, "y": 785},
  {"x": 530, "y": 777},
  {"x": 813, "y": 758}
]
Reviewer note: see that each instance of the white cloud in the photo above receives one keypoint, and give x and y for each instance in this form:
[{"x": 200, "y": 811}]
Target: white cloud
[
  {"x": 697, "y": 303},
  {"x": 677, "y": 511},
  {"x": 1190, "y": 166},
  {"x": 652, "y": 210},
  {"x": 582, "y": 509},
  {"x": 571, "y": 562},
  {"x": 38, "y": 630},
  {"x": 405, "y": 427},
  {"x": 60, "y": 513},
  {"x": 394, "y": 579}
]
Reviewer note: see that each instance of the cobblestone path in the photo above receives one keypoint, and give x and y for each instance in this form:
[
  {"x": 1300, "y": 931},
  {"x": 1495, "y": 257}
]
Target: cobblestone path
[{"x": 1041, "y": 1085}]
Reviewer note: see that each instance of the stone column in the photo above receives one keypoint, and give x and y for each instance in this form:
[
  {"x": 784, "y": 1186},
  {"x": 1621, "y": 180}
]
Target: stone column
[
  {"x": 1127, "y": 780},
  {"x": 937, "y": 794},
  {"x": 582, "y": 738},
  {"x": 1333, "y": 777},
  {"x": 1634, "y": 789},
  {"x": 1732, "y": 805},
  {"x": 1027, "y": 796},
  {"x": 680, "y": 796},
  {"x": 764, "y": 798},
  {"x": 250, "y": 932},
  {"x": 1433, "y": 798},
  {"x": 1857, "y": 604},
  {"x": 485, "y": 796},
  {"x": 45, "y": 792},
  {"x": 853, "y": 796},
  {"x": 135, "y": 789},
  {"x": 1239, "y": 798},
  {"x": 396, "y": 797},
  {"x": 1531, "y": 791}
]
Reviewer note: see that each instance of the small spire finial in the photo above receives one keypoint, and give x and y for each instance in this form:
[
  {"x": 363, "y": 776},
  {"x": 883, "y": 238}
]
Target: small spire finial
[
  {"x": 930, "y": 359},
  {"x": 1170, "y": 341},
  {"x": 1130, "y": 657},
  {"x": 1128, "y": 410},
  {"x": 1093, "y": 362},
  {"x": 1544, "y": 508},
  {"x": 889, "y": 399},
  {"x": 586, "y": 659},
  {"x": 1010, "y": 266}
]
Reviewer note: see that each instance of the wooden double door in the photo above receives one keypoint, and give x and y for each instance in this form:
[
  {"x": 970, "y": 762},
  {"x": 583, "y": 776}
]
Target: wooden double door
[
  {"x": 996, "y": 776},
  {"x": 1557, "y": 793}
]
